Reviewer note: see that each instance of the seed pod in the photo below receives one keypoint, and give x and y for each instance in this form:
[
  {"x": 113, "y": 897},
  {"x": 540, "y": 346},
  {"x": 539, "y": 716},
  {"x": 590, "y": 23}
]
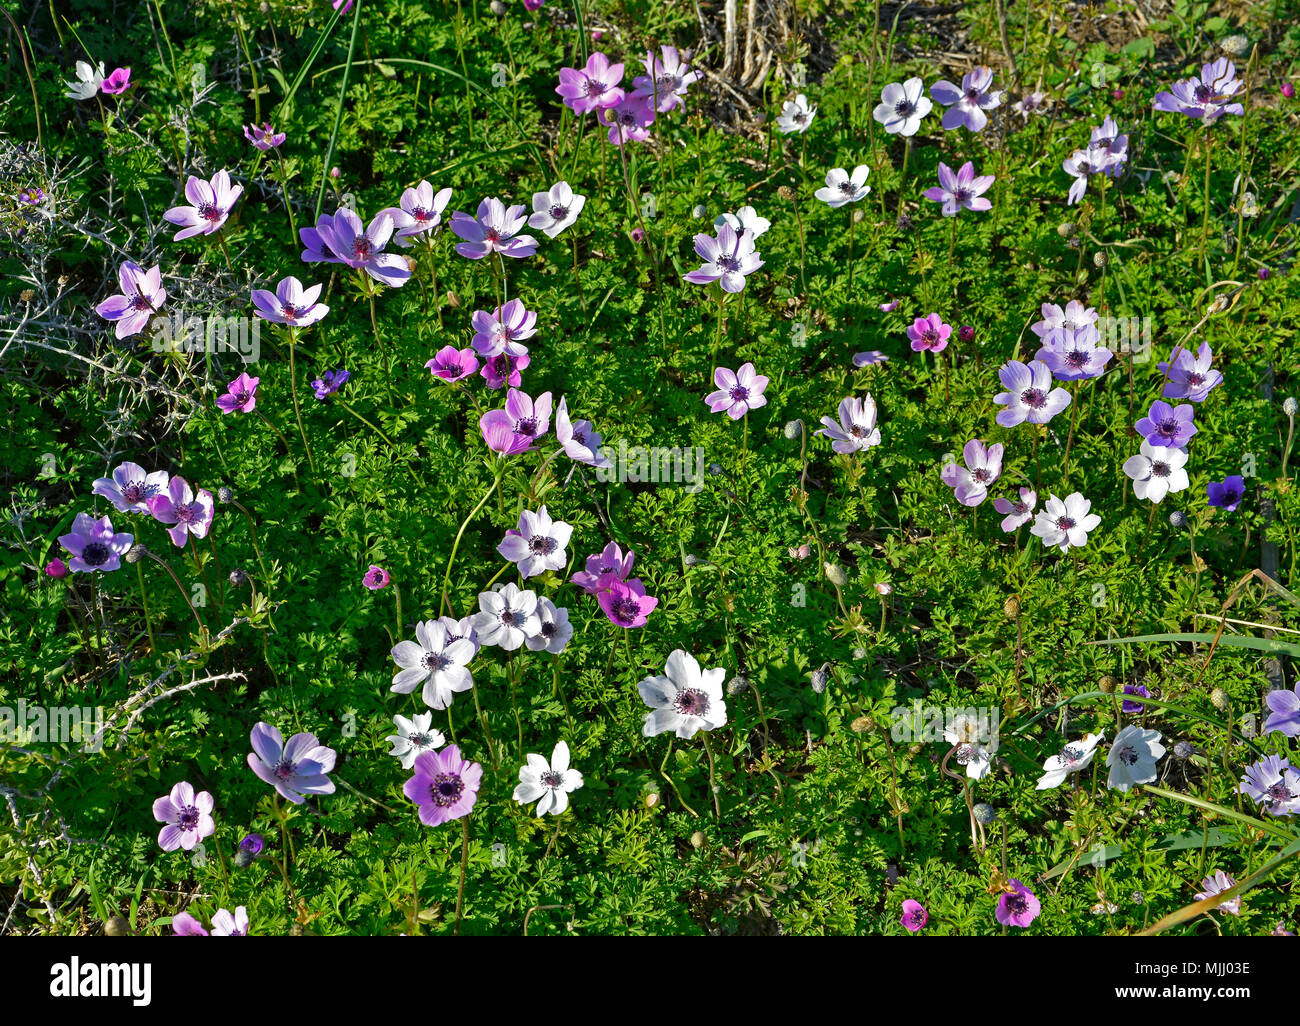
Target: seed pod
[
  {"x": 1011, "y": 608},
  {"x": 238, "y": 578},
  {"x": 1178, "y": 519},
  {"x": 1219, "y": 699},
  {"x": 835, "y": 575},
  {"x": 786, "y": 193},
  {"x": 863, "y": 725},
  {"x": 985, "y": 813},
  {"x": 698, "y": 839},
  {"x": 793, "y": 429},
  {"x": 1066, "y": 229},
  {"x": 1290, "y": 406},
  {"x": 243, "y": 859},
  {"x": 116, "y": 926},
  {"x": 1108, "y": 685}
]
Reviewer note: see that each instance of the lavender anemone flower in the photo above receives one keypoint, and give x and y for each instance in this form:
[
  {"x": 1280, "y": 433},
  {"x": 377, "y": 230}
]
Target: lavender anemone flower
[
  {"x": 188, "y": 817},
  {"x": 1132, "y": 692},
  {"x": 1208, "y": 97},
  {"x": 1190, "y": 377},
  {"x": 1156, "y": 471},
  {"x": 871, "y": 358},
  {"x": 728, "y": 259},
  {"x": 420, "y": 212},
  {"x": 264, "y": 137},
  {"x": 580, "y": 441},
  {"x": 181, "y": 507},
  {"x": 506, "y": 617},
  {"x": 685, "y": 699},
  {"x": 94, "y": 545},
  {"x": 131, "y": 487},
  {"x": 341, "y": 239},
  {"x": 629, "y": 120},
  {"x": 1029, "y": 396},
  {"x": 502, "y": 330},
  {"x": 503, "y": 370},
  {"x": 1107, "y": 134},
  {"x": 666, "y": 79},
  {"x": 1284, "y": 712},
  {"x": 902, "y": 106},
  {"x": 141, "y": 297},
  {"x": 1074, "y": 354},
  {"x": 857, "y": 428},
  {"x": 929, "y": 334},
  {"x": 1017, "y": 512},
  {"x": 1018, "y": 906},
  {"x": 290, "y": 304},
  {"x": 1273, "y": 784},
  {"x": 240, "y": 395},
  {"x": 445, "y": 786},
  {"x": 1226, "y": 494},
  {"x": 330, "y": 382},
  {"x": 553, "y": 630},
  {"x": 296, "y": 769},
  {"x": 593, "y": 87},
  {"x": 1082, "y": 165},
  {"x": 1217, "y": 884},
  {"x": 842, "y": 187},
  {"x": 1166, "y": 425},
  {"x": 609, "y": 560},
  {"x": 795, "y": 116},
  {"x": 556, "y": 210},
  {"x": 185, "y": 925},
  {"x": 1057, "y": 322},
  {"x": 537, "y": 543},
  {"x": 523, "y": 415},
  {"x": 452, "y": 364},
  {"x": 1065, "y": 523},
  {"x": 435, "y": 662},
  {"x": 970, "y": 484},
  {"x": 211, "y": 205},
  {"x": 493, "y": 229},
  {"x": 967, "y": 104},
  {"x": 625, "y": 603},
  {"x": 226, "y": 924},
  {"x": 963, "y": 189},
  {"x": 739, "y": 391}
]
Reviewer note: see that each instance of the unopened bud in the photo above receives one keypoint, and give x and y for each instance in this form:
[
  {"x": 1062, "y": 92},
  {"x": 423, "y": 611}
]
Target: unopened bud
[
  {"x": 238, "y": 578},
  {"x": 793, "y": 429},
  {"x": 984, "y": 813},
  {"x": 1107, "y": 685},
  {"x": 116, "y": 926},
  {"x": 737, "y": 685},
  {"x": 835, "y": 575},
  {"x": 700, "y": 210},
  {"x": 1290, "y": 406},
  {"x": 225, "y": 495},
  {"x": 1178, "y": 518},
  {"x": 1065, "y": 230},
  {"x": 698, "y": 839},
  {"x": 863, "y": 725},
  {"x": 1011, "y": 608},
  {"x": 136, "y": 553}
]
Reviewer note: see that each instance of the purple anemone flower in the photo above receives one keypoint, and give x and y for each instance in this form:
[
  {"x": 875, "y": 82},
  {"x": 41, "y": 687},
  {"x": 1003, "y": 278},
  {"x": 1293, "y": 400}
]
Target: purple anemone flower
[
  {"x": 290, "y": 303},
  {"x": 376, "y": 578},
  {"x": 581, "y": 442},
  {"x": 503, "y": 330},
  {"x": 929, "y": 334},
  {"x": 117, "y": 83},
  {"x": 131, "y": 487},
  {"x": 739, "y": 391},
  {"x": 609, "y": 560},
  {"x": 503, "y": 370},
  {"x": 914, "y": 916},
  {"x": 181, "y": 507},
  {"x": 967, "y": 104},
  {"x": 1217, "y": 91},
  {"x": 592, "y": 87},
  {"x": 523, "y": 415},
  {"x": 94, "y": 545},
  {"x": 1284, "y": 712},
  {"x": 666, "y": 79},
  {"x": 185, "y": 925},
  {"x": 1017, "y": 907},
  {"x": 342, "y": 239},
  {"x": 141, "y": 297},
  {"x": 1190, "y": 377},
  {"x": 624, "y": 602},
  {"x": 445, "y": 785},
  {"x": 971, "y": 484},
  {"x": 629, "y": 120},
  {"x": 728, "y": 259},
  {"x": 330, "y": 382},
  {"x": 188, "y": 817},
  {"x": 211, "y": 203},
  {"x": 226, "y": 924},
  {"x": 961, "y": 190},
  {"x": 420, "y": 212},
  {"x": 1226, "y": 494},
  {"x": 1017, "y": 512},
  {"x": 502, "y": 439},
  {"x": 452, "y": 364},
  {"x": 1167, "y": 425},
  {"x": 1073, "y": 354},
  {"x": 264, "y": 137},
  {"x": 494, "y": 229},
  {"x": 1130, "y": 704},
  {"x": 1082, "y": 165},
  {"x": 1029, "y": 396},
  {"x": 296, "y": 769},
  {"x": 537, "y": 544},
  {"x": 240, "y": 396},
  {"x": 1273, "y": 784},
  {"x": 1057, "y": 322},
  {"x": 1217, "y": 884}
]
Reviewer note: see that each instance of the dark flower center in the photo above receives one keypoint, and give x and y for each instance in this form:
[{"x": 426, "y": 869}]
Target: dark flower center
[
  {"x": 289, "y": 312},
  {"x": 558, "y": 212},
  {"x": 729, "y": 263},
  {"x": 95, "y": 554},
  {"x": 980, "y": 475},
  {"x": 1168, "y": 428},
  {"x": 963, "y": 195},
  {"x": 447, "y": 789},
  {"x": 134, "y": 492},
  {"x": 422, "y": 214},
  {"x": 419, "y": 739},
  {"x": 210, "y": 212},
  {"x": 188, "y": 818},
  {"x": 691, "y": 702},
  {"x": 904, "y": 108},
  {"x": 1034, "y": 398},
  {"x": 594, "y": 87},
  {"x": 1195, "y": 380},
  {"x": 739, "y": 394},
  {"x": 1076, "y": 359},
  {"x": 526, "y": 426},
  {"x": 972, "y": 95},
  {"x": 667, "y": 83},
  {"x": 1128, "y": 755},
  {"x": 846, "y": 187},
  {"x": 1065, "y": 523},
  {"x": 1159, "y": 469},
  {"x": 1204, "y": 94},
  {"x": 1071, "y": 755},
  {"x": 1230, "y": 497},
  {"x": 434, "y": 661},
  {"x": 552, "y": 779},
  {"x": 361, "y": 248},
  {"x": 285, "y": 770},
  {"x": 1016, "y": 904},
  {"x": 542, "y": 545},
  {"x": 185, "y": 513},
  {"x": 548, "y": 629},
  {"x": 625, "y": 610},
  {"x": 510, "y": 618}
]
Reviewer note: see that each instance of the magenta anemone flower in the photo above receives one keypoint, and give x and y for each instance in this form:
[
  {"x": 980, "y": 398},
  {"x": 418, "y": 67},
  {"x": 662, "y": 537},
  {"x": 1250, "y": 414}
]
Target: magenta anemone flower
[
  {"x": 211, "y": 203},
  {"x": 290, "y": 303},
  {"x": 445, "y": 785},
  {"x": 1208, "y": 97},
  {"x": 117, "y": 83},
  {"x": 629, "y": 120},
  {"x": 420, "y": 212},
  {"x": 185, "y": 925},
  {"x": 241, "y": 395},
  {"x": 1074, "y": 354},
  {"x": 963, "y": 189},
  {"x": 1019, "y": 906},
  {"x": 56, "y": 568},
  {"x": 141, "y": 297},
  {"x": 94, "y": 545},
  {"x": 264, "y": 137},
  {"x": 580, "y": 441},
  {"x": 376, "y": 578},
  {"x": 739, "y": 391},
  {"x": 330, "y": 382},
  {"x": 1029, "y": 396},
  {"x": 188, "y": 817},
  {"x": 523, "y": 415},
  {"x": 342, "y": 239},
  {"x": 1190, "y": 377},
  {"x": 970, "y": 484},
  {"x": 666, "y": 79},
  {"x": 1017, "y": 512},
  {"x": 502, "y": 330},
  {"x": 1168, "y": 426},
  {"x": 624, "y": 602},
  {"x": 728, "y": 259},
  {"x": 494, "y": 229},
  {"x": 296, "y": 769},
  {"x": 856, "y": 429},
  {"x": 1226, "y": 494},
  {"x": 929, "y": 334},
  {"x": 501, "y": 438},
  {"x": 180, "y": 506},
  {"x": 593, "y": 87},
  {"x": 503, "y": 370},
  {"x": 967, "y": 104},
  {"x": 452, "y": 364},
  {"x": 609, "y": 560},
  {"x": 131, "y": 487},
  {"x": 914, "y": 916}
]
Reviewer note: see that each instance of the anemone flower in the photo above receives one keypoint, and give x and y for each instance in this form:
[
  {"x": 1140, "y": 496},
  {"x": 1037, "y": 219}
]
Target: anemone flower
[
  {"x": 493, "y": 229},
  {"x": 666, "y": 79},
  {"x": 1190, "y": 377},
  {"x": 1030, "y": 395},
  {"x": 94, "y": 545},
  {"x": 503, "y": 330},
  {"x": 414, "y": 737},
  {"x": 444, "y": 785},
  {"x": 537, "y": 544},
  {"x": 728, "y": 259},
  {"x": 796, "y": 115},
  {"x": 290, "y": 304},
  {"x": 342, "y": 239},
  {"x": 188, "y": 512},
  {"x": 452, "y": 364},
  {"x": 549, "y": 783},
  {"x": 1156, "y": 471},
  {"x": 684, "y": 699},
  {"x": 971, "y": 484},
  {"x": 842, "y": 188},
  {"x": 963, "y": 190},
  {"x": 187, "y": 815},
  {"x": 295, "y": 769},
  {"x": 141, "y": 297},
  {"x": 929, "y": 334},
  {"x": 434, "y": 662},
  {"x": 1017, "y": 512},
  {"x": 592, "y": 87},
  {"x": 556, "y": 210},
  {"x": 856, "y": 429},
  {"x": 902, "y": 106},
  {"x": 610, "y": 560},
  {"x": 1226, "y": 494},
  {"x": 739, "y": 391},
  {"x": 966, "y": 104},
  {"x": 210, "y": 205},
  {"x": 1167, "y": 425},
  {"x": 418, "y": 213},
  {"x": 131, "y": 487},
  {"x": 1065, "y": 523},
  {"x": 240, "y": 395},
  {"x": 264, "y": 137},
  {"x": 580, "y": 441},
  {"x": 506, "y": 617},
  {"x": 625, "y": 603}
]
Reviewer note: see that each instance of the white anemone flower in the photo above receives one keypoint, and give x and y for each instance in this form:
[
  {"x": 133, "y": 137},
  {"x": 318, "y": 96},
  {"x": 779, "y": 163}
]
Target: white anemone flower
[
  {"x": 414, "y": 737},
  {"x": 548, "y": 783},
  {"x": 435, "y": 662},
  {"x": 1157, "y": 470},
  {"x": 842, "y": 187},
  {"x": 1072, "y": 758},
  {"x": 685, "y": 699},
  {"x": 507, "y": 617},
  {"x": 1133, "y": 756},
  {"x": 795, "y": 115}
]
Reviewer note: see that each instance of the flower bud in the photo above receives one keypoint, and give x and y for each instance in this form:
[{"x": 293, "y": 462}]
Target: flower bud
[
  {"x": 116, "y": 926},
  {"x": 1265, "y": 274},
  {"x": 1289, "y": 406},
  {"x": 58, "y": 569},
  {"x": 700, "y": 210},
  {"x": 1183, "y": 751},
  {"x": 243, "y": 859},
  {"x": 786, "y": 193},
  {"x": 863, "y": 725},
  {"x": 1011, "y": 608},
  {"x": 136, "y": 553},
  {"x": 793, "y": 429},
  {"x": 698, "y": 839},
  {"x": 652, "y": 799},
  {"x": 1099, "y": 258},
  {"x": 966, "y": 333},
  {"x": 238, "y": 578},
  {"x": 1178, "y": 519},
  {"x": 737, "y": 685},
  {"x": 1288, "y": 90},
  {"x": 1107, "y": 685},
  {"x": 984, "y": 813},
  {"x": 835, "y": 575},
  {"x": 819, "y": 679},
  {"x": 1066, "y": 229},
  {"x": 1219, "y": 699},
  {"x": 225, "y": 495}
]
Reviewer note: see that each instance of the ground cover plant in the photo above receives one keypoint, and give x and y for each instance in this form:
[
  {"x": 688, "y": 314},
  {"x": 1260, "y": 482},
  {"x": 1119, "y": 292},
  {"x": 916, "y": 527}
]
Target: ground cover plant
[{"x": 639, "y": 468}]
